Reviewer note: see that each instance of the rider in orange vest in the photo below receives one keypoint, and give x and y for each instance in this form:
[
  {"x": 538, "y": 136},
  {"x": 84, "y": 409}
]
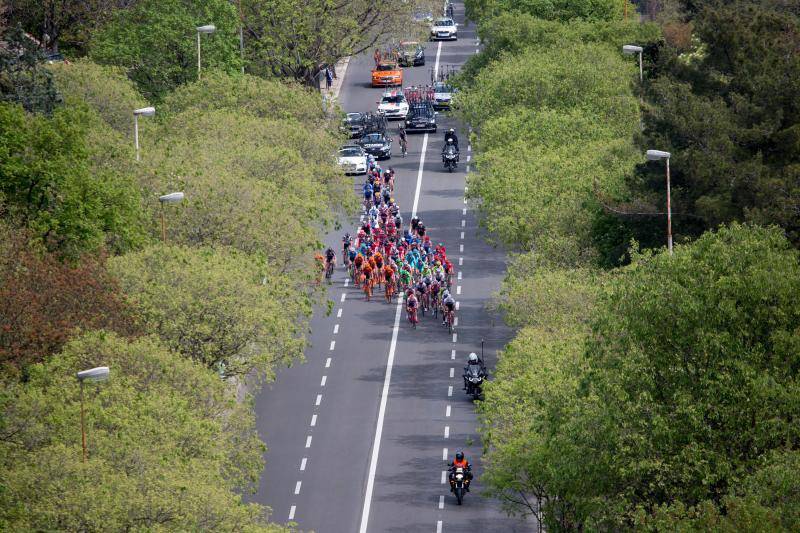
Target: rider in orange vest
[{"x": 460, "y": 462}]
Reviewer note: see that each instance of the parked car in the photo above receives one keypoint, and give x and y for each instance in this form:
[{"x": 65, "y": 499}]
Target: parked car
[
  {"x": 411, "y": 54},
  {"x": 387, "y": 74},
  {"x": 444, "y": 28},
  {"x": 353, "y": 159}
]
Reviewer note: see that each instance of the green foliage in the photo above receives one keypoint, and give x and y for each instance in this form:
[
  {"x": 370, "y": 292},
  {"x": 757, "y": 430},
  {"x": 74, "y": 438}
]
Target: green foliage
[
  {"x": 155, "y": 42},
  {"x": 23, "y": 78},
  {"x": 511, "y": 33},
  {"x": 674, "y": 411},
  {"x": 169, "y": 446},
  {"x": 103, "y": 88},
  {"x": 53, "y": 185},
  {"x": 222, "y": 308},
  {"x": 562, "y": 10}
]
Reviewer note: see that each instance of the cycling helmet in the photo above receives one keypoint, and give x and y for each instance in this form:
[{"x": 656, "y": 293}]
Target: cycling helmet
[
  {"x": 459, "y": 456},
  {"x": 473, "y": 357},
  {"x": 452, "y": 130},
  {"x": 445, "y": 294}
]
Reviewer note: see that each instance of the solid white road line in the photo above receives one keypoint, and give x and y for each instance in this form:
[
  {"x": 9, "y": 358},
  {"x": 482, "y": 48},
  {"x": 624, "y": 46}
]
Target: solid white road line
[
  {"x": 313, "y": 421},
  {"x": 328, "y": 362},
  {"x": 339, "y": 313},
  {"x": 308, "y": 441},
  {"x": 441, "y": 501},
  {"x": 336, "y": 329},
  {"x": 319, "y": 399},
  {"x": 449, "y": 393},
  {"x": 292, "y": 509},
  {"x": 387, "y": 380},
  {"x": 333, "y": 345},
  {"x": 323, "y": 381},
  {"x": 444, "y": 454},
  {"x": 303, "y": 464},
  {"x": 447, "y": 432},
  {"x": 297, "y": 487}
]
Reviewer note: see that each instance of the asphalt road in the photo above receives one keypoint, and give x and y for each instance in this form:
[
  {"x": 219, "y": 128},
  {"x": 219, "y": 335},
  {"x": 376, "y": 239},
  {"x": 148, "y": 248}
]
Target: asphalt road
[{"x": 320, "y": 419}]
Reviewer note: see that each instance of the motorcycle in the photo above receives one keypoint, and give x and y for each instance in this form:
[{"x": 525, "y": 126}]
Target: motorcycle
[
  {"x": 459, "y": 482},
  {"x": 450, "y": 156},
  {"x": 475, "y": 377}
]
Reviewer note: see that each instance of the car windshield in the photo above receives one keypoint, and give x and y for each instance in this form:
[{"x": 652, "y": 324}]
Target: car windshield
[
  {"x": 353, "y": 117},
  {"x": 350, "y": 151},
  {"x": 373, "y": 138},
  {"x": 442, "y": 88},
  {"x": 443, "y": 22},
  {"x": 395, "y": 99},
  {"x": 386, "y": 66}
]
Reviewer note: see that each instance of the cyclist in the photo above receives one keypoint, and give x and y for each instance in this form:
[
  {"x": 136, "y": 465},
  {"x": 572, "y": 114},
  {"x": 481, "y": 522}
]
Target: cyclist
[
  {"x": 448, "y": 305},
  {"x": 403, "y": 140},
  {"x": 411, "y": 308}
]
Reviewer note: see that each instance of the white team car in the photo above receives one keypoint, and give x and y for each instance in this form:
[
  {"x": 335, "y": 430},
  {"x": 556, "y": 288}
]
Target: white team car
[
  {"x": 353, "y": 159},
  {"x": 393, "y": 105},
  {"x": 444, "y": 28}
]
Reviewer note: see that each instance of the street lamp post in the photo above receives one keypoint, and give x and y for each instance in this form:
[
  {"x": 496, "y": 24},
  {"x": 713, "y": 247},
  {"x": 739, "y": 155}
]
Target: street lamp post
[
  {"x": 657, "y": 155},
  {"x": 171, "y": 198},
  {"x": 631, "y": 49},
  {"x": 208, "y": 28},
  {"x": 144, "y": 112},
  {"x": 99, "y": 373}
]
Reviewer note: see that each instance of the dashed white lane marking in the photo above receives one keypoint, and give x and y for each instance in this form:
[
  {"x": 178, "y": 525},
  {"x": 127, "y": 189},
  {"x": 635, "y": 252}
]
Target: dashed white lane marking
[
  {"x": 328, "y": 362},
  {"x": 463, "y": 222},
  {"x": 457, "y": 305},
  {"x": 319, "y": 399},
  {"x": 477, "y": 50},
  {"x": 459, "y": 275},
  {"x": 464, "y": 211},
  {"x": 466, "y": 188},
  {"x": 333, "y": 345},
  {"x": 344, "y": 295},
  {"x": 336, "y": 329},
  {"x": 303, "y": 464},
  {"x": 465, "y": 198},
  {"x": 449, "y": 393},
  {"x": 468, "y": 158},
  {"x": 292, "y": 509},
  {"x": 308, "y": 441},
  {"x": 458, "y": 291},
  {"x": 447, "y": 432},
  {"x": 444, "y": 477},
  {"x": 297, "y": 487},
  {"x": 469, "y": 148},
  {"x": 339, "y": 313},
  {"x": 462, "y": 234},
  {"x": 323, "y": 381},
  {"x": 438, "y": 526},
  {"x": 441, "y": 503},
  {"x": 313, "y": 421},
  {"x": 444, "y": 454},
  {"x": 346, "y": 282},
  {"x": 452, "y": 372},
  {"x": 453, "y": 352},
  {"x": 460, "y": 261},
  {"x": 455, "y": 322},
  {"x": 461, "y": 248},
  {"x": 467, "y": 172},
  {"x": 455, "y": 337},
  {"x": 447, "y": 411}
]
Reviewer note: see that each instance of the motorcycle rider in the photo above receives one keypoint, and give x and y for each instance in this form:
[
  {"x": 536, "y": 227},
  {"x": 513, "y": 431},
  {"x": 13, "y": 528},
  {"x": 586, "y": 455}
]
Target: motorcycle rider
[
  {"x": 460, "y": 462},
  {"x": 473, "y": 360},
  {"x": 450, "y": 135}
]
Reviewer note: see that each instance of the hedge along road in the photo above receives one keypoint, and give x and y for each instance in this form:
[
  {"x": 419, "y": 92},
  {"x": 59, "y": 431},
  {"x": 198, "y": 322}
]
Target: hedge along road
[{"x": 320, "y": 419}]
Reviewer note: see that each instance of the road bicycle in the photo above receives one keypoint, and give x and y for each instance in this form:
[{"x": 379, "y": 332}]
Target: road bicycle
[
  {"x": 449, "y": 319},
  {"x": 412, "y": 316},
  {"x": 329, "y": 271}
]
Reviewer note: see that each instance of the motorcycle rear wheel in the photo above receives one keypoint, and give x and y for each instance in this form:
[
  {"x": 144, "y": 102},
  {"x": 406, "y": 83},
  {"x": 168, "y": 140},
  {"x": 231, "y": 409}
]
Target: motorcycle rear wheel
[{"x": 459, "y": 495}]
